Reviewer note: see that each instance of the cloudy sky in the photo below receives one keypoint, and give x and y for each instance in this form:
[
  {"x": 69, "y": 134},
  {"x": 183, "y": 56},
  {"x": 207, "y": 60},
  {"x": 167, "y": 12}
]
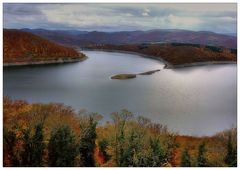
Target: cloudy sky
[{"x": 221, "y": 18}]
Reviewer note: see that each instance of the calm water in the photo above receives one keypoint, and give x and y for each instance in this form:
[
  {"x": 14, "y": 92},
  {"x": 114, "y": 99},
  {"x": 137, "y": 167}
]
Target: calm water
[{"x": 195, "y": 101}]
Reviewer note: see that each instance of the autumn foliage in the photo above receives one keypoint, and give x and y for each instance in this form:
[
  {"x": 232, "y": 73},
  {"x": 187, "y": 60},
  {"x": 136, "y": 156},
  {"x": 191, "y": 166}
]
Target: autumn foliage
[
  {"x": 19, "y": 46},
  {"x": 55, "y": 135},
  {"x": 177, "y": 53}
]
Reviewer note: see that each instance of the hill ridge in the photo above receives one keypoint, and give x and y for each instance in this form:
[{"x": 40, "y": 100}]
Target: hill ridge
[{"x": 27, "y": 48}]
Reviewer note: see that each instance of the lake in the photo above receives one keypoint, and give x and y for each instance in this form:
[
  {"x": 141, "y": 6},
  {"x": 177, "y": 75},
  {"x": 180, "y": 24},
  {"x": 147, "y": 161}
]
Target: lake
[{"x": 199, "y": 100}]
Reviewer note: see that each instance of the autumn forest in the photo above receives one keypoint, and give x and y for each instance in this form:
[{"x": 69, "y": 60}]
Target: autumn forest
[{"x": 55, "y": 135}]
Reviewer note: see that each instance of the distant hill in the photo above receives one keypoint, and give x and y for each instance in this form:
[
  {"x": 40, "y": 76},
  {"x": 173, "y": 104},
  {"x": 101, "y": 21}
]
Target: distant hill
[
  {"x": 83, "y": 38},
  {"x": 25, "y": 47}
]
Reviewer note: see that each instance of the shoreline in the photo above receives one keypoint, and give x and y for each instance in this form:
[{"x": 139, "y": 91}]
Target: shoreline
[
  {"x": 167, "y": 64},
  {"x": 203, "y": 64},
  {"x": 49, "y": 62}
]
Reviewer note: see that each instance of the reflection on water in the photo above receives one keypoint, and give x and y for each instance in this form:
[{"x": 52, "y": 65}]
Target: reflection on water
[{"x": 195, "y": 100}]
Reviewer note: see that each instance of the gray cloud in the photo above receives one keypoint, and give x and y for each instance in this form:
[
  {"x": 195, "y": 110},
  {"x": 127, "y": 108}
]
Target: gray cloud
[
  {"x": 117, "y": 17},
  {"x": 21, "y": 9}
]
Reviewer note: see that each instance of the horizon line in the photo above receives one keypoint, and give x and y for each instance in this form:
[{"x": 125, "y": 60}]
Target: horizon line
[{"x": 114, "y": 31}]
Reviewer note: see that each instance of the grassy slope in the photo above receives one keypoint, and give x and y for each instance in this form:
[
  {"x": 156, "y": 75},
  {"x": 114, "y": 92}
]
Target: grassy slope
[{"x": 19, "y": 46}]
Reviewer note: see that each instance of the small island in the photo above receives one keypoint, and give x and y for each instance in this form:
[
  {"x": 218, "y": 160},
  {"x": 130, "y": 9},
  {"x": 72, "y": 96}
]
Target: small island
[
  {"x": 124, "y": 76},
  {"x": 131, "y": 76},
  {"x": 149, "y": 72}
]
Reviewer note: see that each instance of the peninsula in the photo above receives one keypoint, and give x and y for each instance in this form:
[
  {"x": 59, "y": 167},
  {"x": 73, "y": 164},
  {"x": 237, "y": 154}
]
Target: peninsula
[
  {"x": 24, "y": 48},
  {"x": 176, "y": 55}
]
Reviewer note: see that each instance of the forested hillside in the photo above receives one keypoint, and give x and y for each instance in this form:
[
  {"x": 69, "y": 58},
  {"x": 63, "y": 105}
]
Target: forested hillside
[
  {"x": 83, "y": 38},
  {"x": 176, "y": 53},
  {"x": 24, "y": 47},
  {"x": 55, "y": 135}
]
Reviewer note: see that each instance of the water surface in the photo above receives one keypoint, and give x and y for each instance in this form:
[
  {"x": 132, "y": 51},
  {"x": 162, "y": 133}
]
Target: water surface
[{"x": 198, "y": 100}]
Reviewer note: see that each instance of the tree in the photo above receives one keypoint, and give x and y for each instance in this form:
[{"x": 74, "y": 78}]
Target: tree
[
  {"x": 158, "y": 157},
  {"x": 185, "y": 159},
  {"x": 103, "y": 144},
  {"x": 33, "y": 147},
  {"x": 231, "y": 157},
  {"x": 26, "y": 154},
  {"x": 201, "y": 160},
  {"x": 87, "y": 143},
  {"x": 143, "y": 121},
  {"x": 38, "y": 146},
  {"x": 120, "y": 120},
  {"x": 133, "y": 145},
  {"x": 62, "y": 147},
  {"x": 171, "y": 147},
  {"x": 10, "y": 142}
]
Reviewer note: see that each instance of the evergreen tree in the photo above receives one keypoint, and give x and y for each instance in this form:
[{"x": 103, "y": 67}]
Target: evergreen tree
[
  {"x": 158, "y": 158},
  {"x": 234, "y": 161},
  {"x": 62, "y": 147},
  {"x": 10, "y": 141},
  {"x": 26, "y": 154},
  {"x": 185, "y": 159},
  {"x": 231, "y": 157},
  {"x": 131, "y": 150},
  {"x": 87, "y": 143},
  {"x": 33, "y": 147},
  {"x": 201, "y": 160},
  {"x": 38, "y": 146}
]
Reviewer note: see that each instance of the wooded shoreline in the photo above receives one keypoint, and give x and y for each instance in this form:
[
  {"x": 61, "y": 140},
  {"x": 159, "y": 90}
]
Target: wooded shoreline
[
  {"x": 167, "y": 64},
  {"x": 59, "y": 61}
]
